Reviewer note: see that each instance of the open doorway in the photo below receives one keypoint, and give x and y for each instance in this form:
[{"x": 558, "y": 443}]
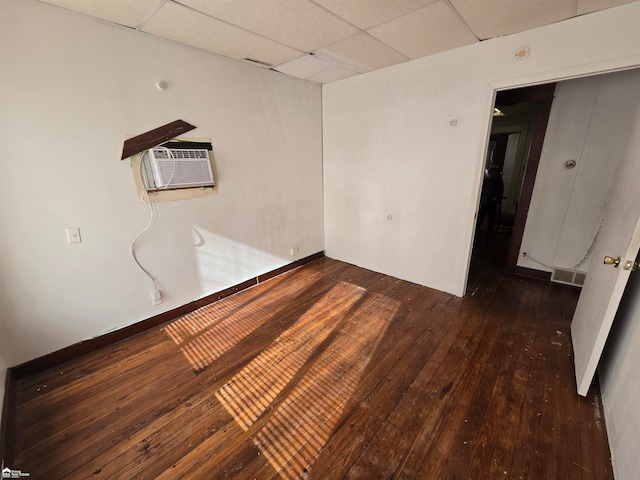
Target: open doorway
[
  {"x": 555, "y": 228},
  {"x": 518, "y": 128}
]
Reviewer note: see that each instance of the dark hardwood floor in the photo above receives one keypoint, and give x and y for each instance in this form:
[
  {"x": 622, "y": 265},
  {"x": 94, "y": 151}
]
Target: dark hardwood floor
[{"x": 328, "y": 371}]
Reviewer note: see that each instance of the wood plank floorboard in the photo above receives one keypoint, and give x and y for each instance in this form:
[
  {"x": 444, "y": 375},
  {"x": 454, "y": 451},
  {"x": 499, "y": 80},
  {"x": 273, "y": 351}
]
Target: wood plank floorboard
[{"x": 328, "y": 371}]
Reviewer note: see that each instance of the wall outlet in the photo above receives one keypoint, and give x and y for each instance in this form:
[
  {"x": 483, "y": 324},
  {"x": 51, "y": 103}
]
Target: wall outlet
[
  {"x": 73, "y": 235},
  {"x": 156, "y": 297},
  {"x": 293, "y": 251}
]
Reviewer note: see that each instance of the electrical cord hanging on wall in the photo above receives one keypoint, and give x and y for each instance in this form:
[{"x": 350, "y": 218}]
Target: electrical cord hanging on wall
[
  {"x": 151, "y": 214},
  {"x": 173, "y": 172},
  {"x": 133, "y": 252},
  {"x": 533, "y": 259},
  {"x": 593, "y": 243},
  {"x": 584, "y": 257}
]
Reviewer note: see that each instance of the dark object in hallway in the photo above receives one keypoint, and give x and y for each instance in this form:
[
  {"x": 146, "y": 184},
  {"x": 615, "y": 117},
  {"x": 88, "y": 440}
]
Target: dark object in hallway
[
  {"x": 490, "y": 197},
  {"x": 505, "y": 221}
]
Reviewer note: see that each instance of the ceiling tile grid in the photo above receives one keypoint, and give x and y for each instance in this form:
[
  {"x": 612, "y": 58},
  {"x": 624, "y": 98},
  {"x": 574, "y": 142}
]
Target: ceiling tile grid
[
  {"x": 327, "y": 40},
  {"x": 434, "y": 28},
  {"x": 331, "y": 75},
  {"x": 296, "y": 23},
  {"x": 495, "y": 18},
  {"x": 362, "y": 53},
  {"x": 305, "y": 66},
  {"x": 181, "y": 24},
  {"x": 370, "y": 13},
  {"x": 123, "y": 12}
]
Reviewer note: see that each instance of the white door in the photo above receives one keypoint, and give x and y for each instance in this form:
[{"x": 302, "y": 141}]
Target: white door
[{"x": 604, "y": 285}]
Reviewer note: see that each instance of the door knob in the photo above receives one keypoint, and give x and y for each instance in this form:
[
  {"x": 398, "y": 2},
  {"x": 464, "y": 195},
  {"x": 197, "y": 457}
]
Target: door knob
[{"x": 612, "y": 261}]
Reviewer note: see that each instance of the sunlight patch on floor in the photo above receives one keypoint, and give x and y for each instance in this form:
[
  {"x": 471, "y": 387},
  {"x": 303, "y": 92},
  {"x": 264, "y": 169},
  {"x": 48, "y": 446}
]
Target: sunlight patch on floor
[
  {"x": 249, "y": 393},
  {"x": 207, "y": 333},
  {"x": 305, "y": 420}
]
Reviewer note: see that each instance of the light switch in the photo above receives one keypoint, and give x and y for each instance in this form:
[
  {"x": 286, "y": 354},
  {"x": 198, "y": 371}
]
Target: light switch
[{"x": 73, "y": 235}]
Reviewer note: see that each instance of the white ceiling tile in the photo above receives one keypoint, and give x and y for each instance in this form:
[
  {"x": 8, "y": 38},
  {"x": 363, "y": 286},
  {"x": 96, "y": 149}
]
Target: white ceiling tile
[
  {"x": 124, "y": 12},
  {"x": 369, "y": 13},
  {"x": 431, "y": 29},
  {"x": 588, "y": 6},
  {"x": 296, "y": 23},
  {"x": 304, "y": 67},
  {"x": 361, "y": 53},
  {"x": 282, "y": 32},
  {"x": 494, "y": 18},
  {"x": 187, "y": 26},
  {"x": 332, "y": 74}
]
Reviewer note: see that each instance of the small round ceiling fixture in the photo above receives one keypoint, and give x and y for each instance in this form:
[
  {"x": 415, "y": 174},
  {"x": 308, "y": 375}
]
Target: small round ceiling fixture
[
  {"x": 162, "y": 85},
  {"x": 522, "y": 53}
]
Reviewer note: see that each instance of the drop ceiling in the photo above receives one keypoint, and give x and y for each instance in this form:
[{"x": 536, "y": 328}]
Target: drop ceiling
[{"x": 327, "y": 40}]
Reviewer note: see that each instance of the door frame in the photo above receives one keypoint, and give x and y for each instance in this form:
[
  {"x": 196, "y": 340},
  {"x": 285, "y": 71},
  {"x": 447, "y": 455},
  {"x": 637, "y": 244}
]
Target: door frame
[
  {"x": 542, "y": 95},
  {"x": 494, "y": 87}
]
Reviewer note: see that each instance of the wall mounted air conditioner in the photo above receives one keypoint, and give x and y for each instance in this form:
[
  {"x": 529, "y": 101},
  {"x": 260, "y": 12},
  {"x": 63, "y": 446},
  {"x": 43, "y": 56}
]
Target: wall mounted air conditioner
[{"x": 165, "y": 168}]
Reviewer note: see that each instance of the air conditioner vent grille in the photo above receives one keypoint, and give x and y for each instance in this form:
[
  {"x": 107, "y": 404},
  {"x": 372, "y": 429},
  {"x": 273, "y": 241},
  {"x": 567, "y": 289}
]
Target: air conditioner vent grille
[
  {"x": 176, "y": 168},
  {"x": 164, "y": 153}
]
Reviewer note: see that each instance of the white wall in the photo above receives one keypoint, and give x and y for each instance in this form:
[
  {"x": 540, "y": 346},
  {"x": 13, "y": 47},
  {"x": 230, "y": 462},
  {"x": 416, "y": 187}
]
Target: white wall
[
  {"x": 591, "y": 122},
  {"x": 389, "y": 148},
  {"x": 71, "y": 89},
  {"x": 621, "y": 385}
]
